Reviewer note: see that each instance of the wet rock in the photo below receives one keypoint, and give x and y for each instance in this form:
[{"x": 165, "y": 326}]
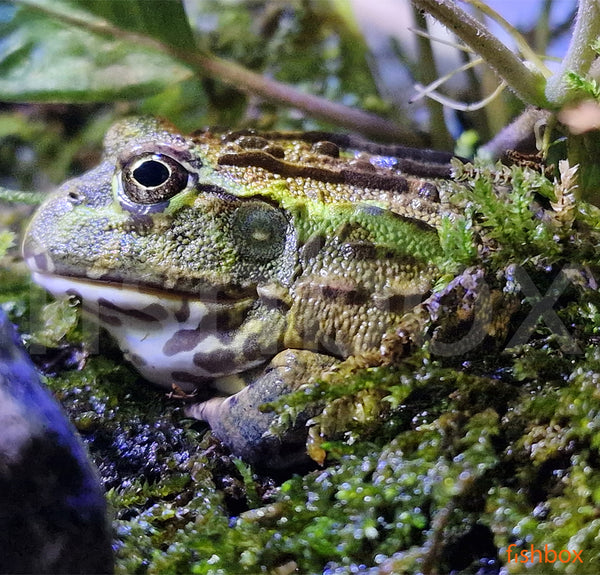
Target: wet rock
[{"x": 52, "y": 507}]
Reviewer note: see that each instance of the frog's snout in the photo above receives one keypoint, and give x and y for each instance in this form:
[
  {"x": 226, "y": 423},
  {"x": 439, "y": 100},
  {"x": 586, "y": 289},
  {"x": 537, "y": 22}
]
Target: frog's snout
[{"x": 35, "y": 255}]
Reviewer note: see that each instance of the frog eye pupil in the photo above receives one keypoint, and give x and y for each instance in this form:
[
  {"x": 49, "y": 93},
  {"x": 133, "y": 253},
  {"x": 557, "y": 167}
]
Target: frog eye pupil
[{"x": 151, "y": 173}]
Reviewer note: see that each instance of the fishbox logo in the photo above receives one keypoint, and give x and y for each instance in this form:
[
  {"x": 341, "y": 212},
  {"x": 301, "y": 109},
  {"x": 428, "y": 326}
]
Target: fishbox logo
[{"x": 546, "y": 556}]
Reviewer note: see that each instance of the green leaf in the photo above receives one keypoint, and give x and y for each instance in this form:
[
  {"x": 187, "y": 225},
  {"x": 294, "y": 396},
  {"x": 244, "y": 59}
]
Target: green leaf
[
  {"x": 458, "y": 243},
  {"x": 163, "y": 20},
  {"x": 589, "y": 88},
  {"x": 49, "y": 53}
]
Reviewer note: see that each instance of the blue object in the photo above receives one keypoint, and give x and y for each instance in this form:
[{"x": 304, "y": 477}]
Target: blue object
[{"x": 52, "y": 507}]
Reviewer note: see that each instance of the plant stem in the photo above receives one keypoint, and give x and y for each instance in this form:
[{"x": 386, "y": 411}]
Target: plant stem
[
  {"x": 579, "y": 54},
  {"x": 248, "y": 81},
  {"x": 427, "y": 73},
  {"x": 525, "y": 49},
  {"x": 527, "y": 84}
]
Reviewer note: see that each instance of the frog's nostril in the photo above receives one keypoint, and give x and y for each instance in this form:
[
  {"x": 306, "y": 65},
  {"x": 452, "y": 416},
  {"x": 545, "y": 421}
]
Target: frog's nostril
[{"x": 75, "y": 197}]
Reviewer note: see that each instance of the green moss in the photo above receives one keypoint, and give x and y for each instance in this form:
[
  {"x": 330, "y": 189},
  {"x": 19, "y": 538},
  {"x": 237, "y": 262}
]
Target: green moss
[
  {"x": 458, "y": 244},
  {"x": 60, "y": 319},
  {"x": 6, "y": 241}
]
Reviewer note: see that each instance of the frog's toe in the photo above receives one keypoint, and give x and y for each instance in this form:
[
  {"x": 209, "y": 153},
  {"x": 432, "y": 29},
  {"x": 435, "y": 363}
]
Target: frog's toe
[
  {"x": 242, "y": 424},
  {"x": 238, "y": 422}
]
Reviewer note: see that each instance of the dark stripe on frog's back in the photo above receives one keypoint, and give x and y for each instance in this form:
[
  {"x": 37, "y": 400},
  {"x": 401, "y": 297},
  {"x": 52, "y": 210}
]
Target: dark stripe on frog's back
[
  {"x": 364, "y": 179},
  {"x": 250, "y": 158},
  {"x": 278, "y": 153},
  {"x": 415, "y": 161}
]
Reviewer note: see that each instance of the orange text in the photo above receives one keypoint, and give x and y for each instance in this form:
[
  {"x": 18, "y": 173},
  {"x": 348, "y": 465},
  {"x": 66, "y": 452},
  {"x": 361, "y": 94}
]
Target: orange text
[{"x": 546, "y": 556}]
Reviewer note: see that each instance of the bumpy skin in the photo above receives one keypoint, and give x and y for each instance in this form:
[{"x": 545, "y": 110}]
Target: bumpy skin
[{"x": 209, "y": 256}]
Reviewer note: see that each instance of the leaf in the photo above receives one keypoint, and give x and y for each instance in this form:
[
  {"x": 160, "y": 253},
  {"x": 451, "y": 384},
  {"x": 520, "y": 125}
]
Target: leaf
[
  {"x": 95, "y": 50},
  {"x": 589, "y": 87},
  {"x": 163, "y": 20},
  {"x": 43, "y": 57}
]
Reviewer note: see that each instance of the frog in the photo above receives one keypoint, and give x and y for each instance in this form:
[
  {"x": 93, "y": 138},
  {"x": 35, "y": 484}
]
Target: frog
[{"x": 237, "y": 267}]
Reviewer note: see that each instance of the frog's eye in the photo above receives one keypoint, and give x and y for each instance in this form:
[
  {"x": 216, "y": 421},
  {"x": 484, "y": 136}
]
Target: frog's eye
[
  {"x": 260, "y": 231},
  {"x": 153, "y": 178}
]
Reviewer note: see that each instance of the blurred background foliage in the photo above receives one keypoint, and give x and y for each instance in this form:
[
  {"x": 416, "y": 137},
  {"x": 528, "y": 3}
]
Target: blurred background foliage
[{"x": 68, "y": 68}]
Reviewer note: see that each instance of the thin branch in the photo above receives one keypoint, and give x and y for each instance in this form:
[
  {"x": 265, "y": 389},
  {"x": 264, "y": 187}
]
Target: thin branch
[
  {"x": 440, "y": 41},
  {"x": 443, "y": 79},
  {"x": 527, "y": 84},
  {"x": 541, "y": 29},
  {"x": 426, "y": 73},
  {"x": 240, "y": 77},
  {"x": 457, "y": 105},
  {"x": 580, "y": 54},
  {"x": 522, "y": 44},
  {"x": 512, "y": 136}
]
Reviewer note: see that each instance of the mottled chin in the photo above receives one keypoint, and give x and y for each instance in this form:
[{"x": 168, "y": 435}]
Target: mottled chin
[{"x": 169, "y": 338}]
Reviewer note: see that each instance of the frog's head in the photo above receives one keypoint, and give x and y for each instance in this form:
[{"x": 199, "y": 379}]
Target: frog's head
[{"x": 174, "y": 258}]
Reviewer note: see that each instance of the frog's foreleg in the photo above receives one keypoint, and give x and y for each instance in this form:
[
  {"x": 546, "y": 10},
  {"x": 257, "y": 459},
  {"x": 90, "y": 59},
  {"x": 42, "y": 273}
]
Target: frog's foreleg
[{"x": 241, "y": 422}]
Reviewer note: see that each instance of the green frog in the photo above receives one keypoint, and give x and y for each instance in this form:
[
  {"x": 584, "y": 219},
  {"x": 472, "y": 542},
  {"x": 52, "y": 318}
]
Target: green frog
[{"x": 242, "y": 265}]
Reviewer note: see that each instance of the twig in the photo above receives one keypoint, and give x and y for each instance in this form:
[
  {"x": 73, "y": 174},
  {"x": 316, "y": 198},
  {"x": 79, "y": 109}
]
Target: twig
[
  {"x": 527, "y": 84},
  {"x": 457, "y": 105},
  {"x": 580, "y": 54},
  {"x": 427, "y": 73},
  {"x": 522, "y": 44}
]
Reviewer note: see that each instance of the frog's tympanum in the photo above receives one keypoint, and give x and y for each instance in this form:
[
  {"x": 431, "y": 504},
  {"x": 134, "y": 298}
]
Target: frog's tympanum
[{"x": 243, "y": 265}]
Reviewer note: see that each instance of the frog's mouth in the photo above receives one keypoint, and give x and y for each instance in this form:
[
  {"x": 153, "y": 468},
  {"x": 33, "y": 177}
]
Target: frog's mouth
[
  {"x": 140, "y": 300},
  {"x": 171, "y": 338}
]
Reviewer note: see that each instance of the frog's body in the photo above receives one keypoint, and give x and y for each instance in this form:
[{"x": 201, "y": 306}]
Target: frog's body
[{"x": 212, "y": 257}]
